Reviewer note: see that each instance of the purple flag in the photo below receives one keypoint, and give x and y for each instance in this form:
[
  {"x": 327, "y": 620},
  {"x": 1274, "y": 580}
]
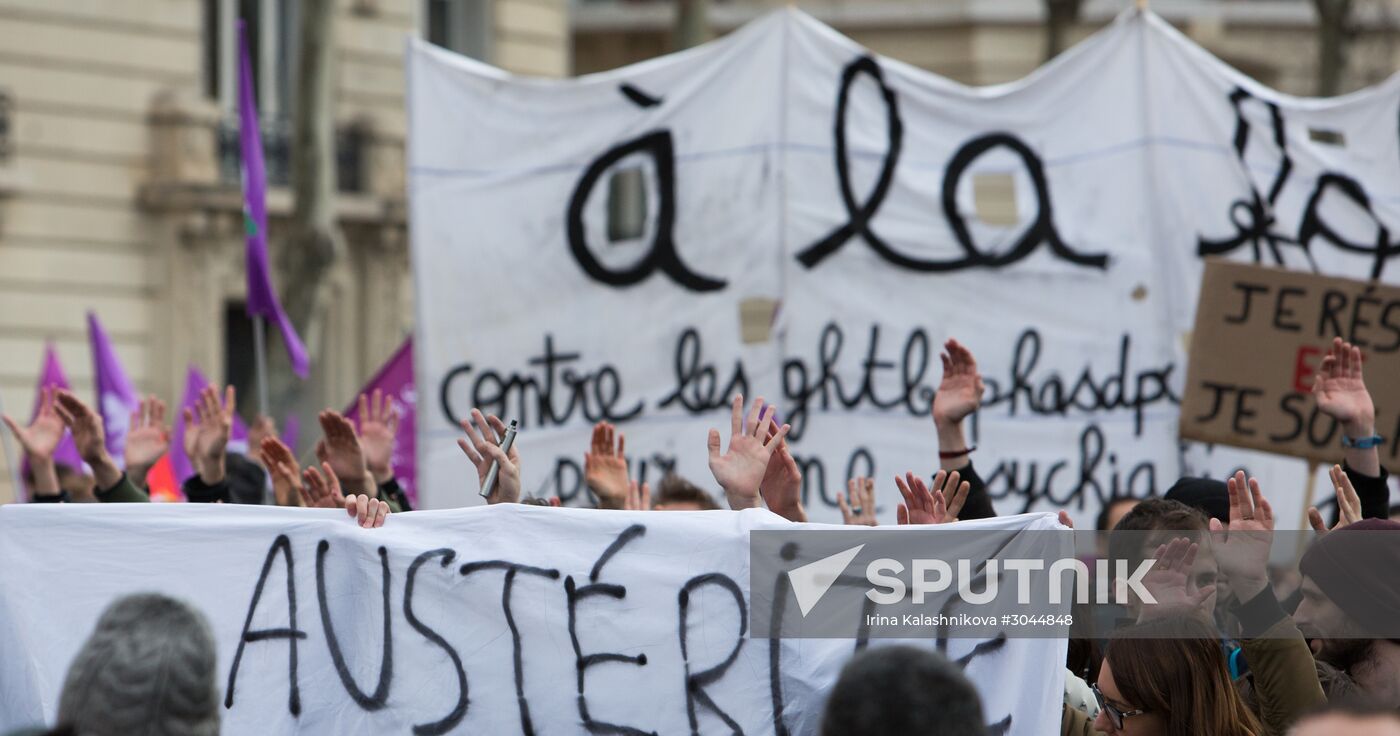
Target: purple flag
[
  {"x": 51, "y": 375},
  {"x": 395, "y": 379},
  {"x": 291, "y": 432},
  {"x": 262, "y": 298},
  {"x": 116, "y": 399},
  {"x": 238, "y": 439}
]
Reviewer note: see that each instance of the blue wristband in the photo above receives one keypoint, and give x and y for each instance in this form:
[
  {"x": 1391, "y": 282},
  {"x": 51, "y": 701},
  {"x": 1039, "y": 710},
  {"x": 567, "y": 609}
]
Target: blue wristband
[{"x": 1363, "y": 443}]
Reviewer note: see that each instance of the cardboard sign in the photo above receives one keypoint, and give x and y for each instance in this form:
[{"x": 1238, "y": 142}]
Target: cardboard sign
[{"x": 1261, "y": 334}]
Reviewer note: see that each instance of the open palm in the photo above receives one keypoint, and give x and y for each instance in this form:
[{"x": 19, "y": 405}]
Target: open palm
[
  {"x": 960, "y": 392},
  {"x": 605, "y": 468},
  {"x": 1340, "y": 388},
  {"x": 739, "y": 470},
  {"x": 148, "y": 438},
  {"x": 1243, "y": 549},
  {"x": 40, "y": 439},
  {"x": 379, "y": 428},
  {"x": 781, "y": 486},
  {"x": 939, "y": 506},
  {"x": 1170, "y": 583}
]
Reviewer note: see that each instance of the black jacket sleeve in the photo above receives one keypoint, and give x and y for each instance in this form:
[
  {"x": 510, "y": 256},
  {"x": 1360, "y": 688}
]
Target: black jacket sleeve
[
  {"x": 123, "y": 492},
  {"x": 1373, "y": 491},
  {"x": 979, "y": 503},
  {"x": 392, "y": 493},
  {"x": 197, "y": 491}
]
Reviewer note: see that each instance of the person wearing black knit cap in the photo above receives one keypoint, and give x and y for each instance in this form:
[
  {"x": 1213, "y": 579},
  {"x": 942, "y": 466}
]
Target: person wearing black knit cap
[{"x": 1351, "y": 605}]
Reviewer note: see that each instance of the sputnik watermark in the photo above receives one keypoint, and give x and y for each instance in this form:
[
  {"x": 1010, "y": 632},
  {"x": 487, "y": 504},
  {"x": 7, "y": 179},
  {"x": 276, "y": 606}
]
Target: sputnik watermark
[{"x": 932, "y": 577}]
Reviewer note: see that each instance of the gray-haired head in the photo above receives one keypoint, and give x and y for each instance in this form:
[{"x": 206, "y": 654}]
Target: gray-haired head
[{"x": 148, "y": 668}]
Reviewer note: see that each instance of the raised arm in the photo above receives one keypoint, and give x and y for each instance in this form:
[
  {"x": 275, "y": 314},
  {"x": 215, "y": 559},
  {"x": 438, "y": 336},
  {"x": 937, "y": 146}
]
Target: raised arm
[
  {"x": 941, "y": 506},
  {"x": 605, "y": 467},
  {"x": 340, "y": 448},
  {"x": 1340, "y": 390},
  {"x": 40, "y": 440},
  {"x": 379, "y": 431},
  {"x": 281, "y": 466},
  {"x": 1285, "y": 676},
  {"x": 740, "y": 468},
  {"x": 959, "y": 395},
  {"x": 147, "y": 438},
  {"x": 91, "y": 441},
  {"x": 781, "y": 486},
  {"x": 482, "y": 446}
]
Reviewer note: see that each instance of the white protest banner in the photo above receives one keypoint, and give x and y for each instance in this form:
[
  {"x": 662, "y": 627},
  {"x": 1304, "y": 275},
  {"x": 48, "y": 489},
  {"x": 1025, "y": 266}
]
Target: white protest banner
[
  {"x": 507, "y": 619},
  {"x": 784, "y": 214}
]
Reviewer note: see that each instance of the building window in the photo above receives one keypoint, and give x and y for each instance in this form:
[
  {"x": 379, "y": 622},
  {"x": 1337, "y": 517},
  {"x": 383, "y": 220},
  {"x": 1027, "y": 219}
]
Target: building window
[
  {"x": 351, "y": 151},
  {"x": 463, "y": 26},
  {"x": 273, "y": 28},
  {"x": 5, "y": 107},
  {"x": 240, "y": 363},
  {"x": 272, "y": 36},
  {"x": 627, "y": 205}
]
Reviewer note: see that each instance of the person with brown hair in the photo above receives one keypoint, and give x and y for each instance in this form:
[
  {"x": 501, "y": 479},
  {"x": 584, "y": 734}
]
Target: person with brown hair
[
  {"x": 1154, "y": 522},
  {"x": 678, "y": 494},
  {"x": 1166, "y": 677}
]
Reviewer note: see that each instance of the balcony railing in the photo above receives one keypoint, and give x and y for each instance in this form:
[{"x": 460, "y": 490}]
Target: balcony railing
[{"x": 350, "y": 155}]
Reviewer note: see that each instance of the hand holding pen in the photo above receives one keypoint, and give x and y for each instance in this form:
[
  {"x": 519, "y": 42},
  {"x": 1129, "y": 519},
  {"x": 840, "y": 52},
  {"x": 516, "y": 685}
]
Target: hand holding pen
[{"x": 489, "y": 444}]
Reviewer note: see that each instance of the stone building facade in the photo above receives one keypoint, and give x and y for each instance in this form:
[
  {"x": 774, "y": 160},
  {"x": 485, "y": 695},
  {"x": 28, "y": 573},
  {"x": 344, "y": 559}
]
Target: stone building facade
[
  {"x": 983, "y": 42},
  {"x": 119, "y": 187}
]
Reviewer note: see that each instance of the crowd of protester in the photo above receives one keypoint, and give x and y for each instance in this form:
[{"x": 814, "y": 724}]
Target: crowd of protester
[{"x": 1231, "y": 649}]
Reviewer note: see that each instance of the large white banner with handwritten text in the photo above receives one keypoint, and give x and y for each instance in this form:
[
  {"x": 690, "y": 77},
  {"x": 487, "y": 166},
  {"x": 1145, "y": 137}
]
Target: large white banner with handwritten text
[
  {"x": 784, "y": 214},
  {"x": 500, "y": 620}
]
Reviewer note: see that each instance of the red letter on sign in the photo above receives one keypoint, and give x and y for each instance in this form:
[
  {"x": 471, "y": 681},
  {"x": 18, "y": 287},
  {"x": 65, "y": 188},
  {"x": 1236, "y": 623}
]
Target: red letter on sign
[{"x": 1303, "y": 369}]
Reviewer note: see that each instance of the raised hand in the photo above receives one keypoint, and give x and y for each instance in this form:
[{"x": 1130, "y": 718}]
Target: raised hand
[
  {"x": 340, "y": 448},
  {"x": 322, "y": 491},
  {"x": 379, "y": 429},
  {"x": 605, "y": 467},
  {"x": 741, "y": 468},
  {"x": 187, "y": 439},
  {"x": 147, "y": 436},
  {"x": 1341, "y": 391},
  {"x": 89, "y": 437},
  {"x": 960, "y": 392},
  {"x": 40, "y": 439},
  {"x": 939, "y": 507},
  {"x": 638, "y": 497},
  {"x": 281, "y": 466},
  {"x": 482, "y": 445},
  {"x": 1243, "y": 551},
  {"x": 262, "y": 427},
  {"x": 369, "y": 513},
  {"x": 1348, "y": 503},
  {"x": 781, "y": 486},
  {"x": 210, "y": 422},
  {"x": 858, "y": 503},
  {"x": 1172, "y": 585},
  {"x": 88, "y": 433}
]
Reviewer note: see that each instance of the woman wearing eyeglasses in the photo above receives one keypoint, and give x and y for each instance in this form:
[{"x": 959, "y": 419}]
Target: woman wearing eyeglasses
[{"x": 1166, "y": 677}]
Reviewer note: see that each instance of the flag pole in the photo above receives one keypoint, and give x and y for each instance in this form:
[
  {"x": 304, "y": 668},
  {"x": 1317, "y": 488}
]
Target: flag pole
[{"x": 260, "y": 356}]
